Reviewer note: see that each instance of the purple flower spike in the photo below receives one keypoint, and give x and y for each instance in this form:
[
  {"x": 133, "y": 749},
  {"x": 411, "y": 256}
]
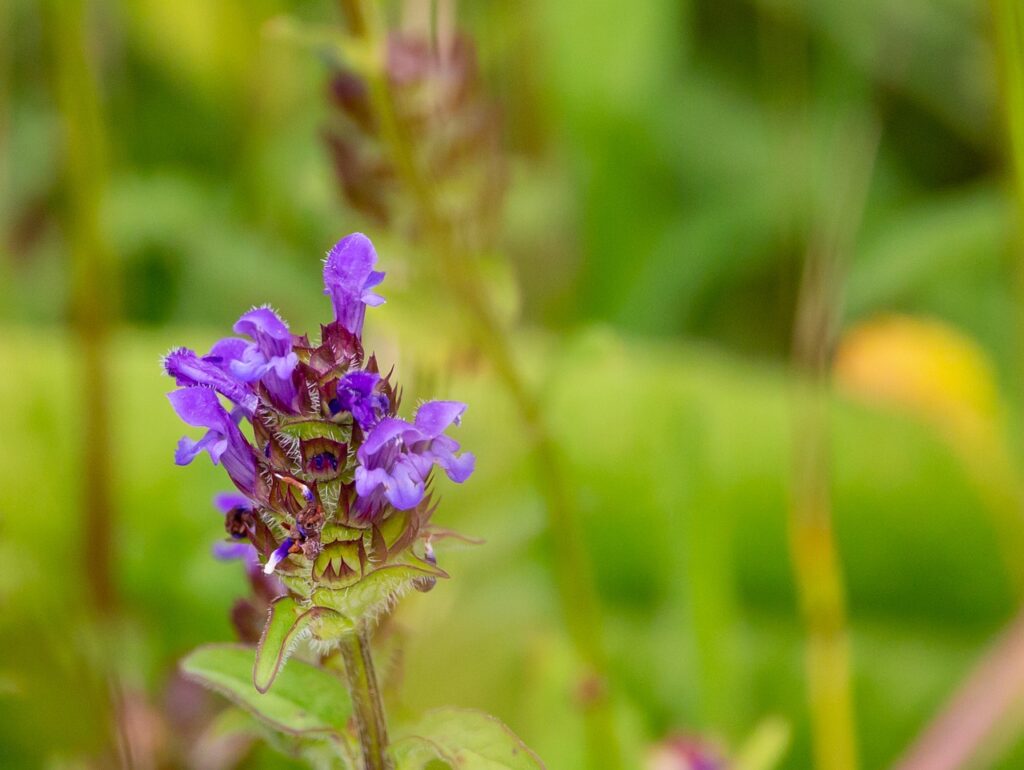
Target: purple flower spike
[
  {"x": 189, "y": 370},
  {"x": 349, "y": 278},
  {"x": 269, "y": 358},
  {"x": 357, "y": 394},
  {"x": 306, "y": 429},
  {"x": 223, "y": 441},
  {"x": 397, "y": 457}
]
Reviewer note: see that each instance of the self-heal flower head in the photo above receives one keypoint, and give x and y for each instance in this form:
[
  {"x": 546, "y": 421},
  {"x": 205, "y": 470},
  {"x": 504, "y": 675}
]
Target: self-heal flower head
[
  {"x": 396, "y": 459},
  {"x": 349, "y": 278},
  {"x": 223, "y": 440},
  {"x": 336, "y": 505}
]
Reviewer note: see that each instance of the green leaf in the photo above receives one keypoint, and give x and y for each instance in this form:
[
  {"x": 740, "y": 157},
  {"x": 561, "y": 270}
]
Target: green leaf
[
  {"x": 376, "y": 590},
  {"x": 283, "y": 630},
  {"x": 314, "y": 429},
  {"x": 464, "y": 739},
  {"x": 306, "y": 699}
]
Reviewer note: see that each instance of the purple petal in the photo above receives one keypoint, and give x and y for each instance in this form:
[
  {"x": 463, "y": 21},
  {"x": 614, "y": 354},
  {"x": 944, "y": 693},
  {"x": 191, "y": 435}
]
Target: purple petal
[
  {"x": 212, "y": 442},
  {"x": 265, "y": 326},
  {"x": 356, "y": 394},
  {"x": 278, "y": 555},
  {"x": 348, "y": 277},
  {"x": 226, "y": 551},
  {"x": 224, "y": 441},
  {"x": 251, "y": 366},
  {"x": 434, "y": 417},
  {"x": 199, "y": 407},
  {"x": 404, "y": 489},
  {"x": 369, "y": 480},
  {"x": 188, "y": 369},
  {"x": 226, "y": 502},
  {"x": 459, "y": 468},
  {"x": 283, "y": 366},
  {"x": 360, "y": 381},
  {"x": 386, "y": 430},
  {"x": 269, "y": 358},
  {"x": 225, "y": 351}
]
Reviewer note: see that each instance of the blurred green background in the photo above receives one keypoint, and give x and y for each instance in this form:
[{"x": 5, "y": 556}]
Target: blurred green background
[{"x": 669, "y": 167}]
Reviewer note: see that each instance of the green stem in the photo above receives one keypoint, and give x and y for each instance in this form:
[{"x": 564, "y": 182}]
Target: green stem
[
  {"x": 367, "y": 706},
  {"x": 1008, "y": 31},
  {"x": 572, "y": 566},
  {"x": 817, "y": 567},
  {"x": 91, "y": 283}
]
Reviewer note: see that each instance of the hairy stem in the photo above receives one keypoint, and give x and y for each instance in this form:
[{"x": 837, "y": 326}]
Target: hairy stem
[
  {"x": 573, "y": 570},
  {"x": 367, "y": 705}
]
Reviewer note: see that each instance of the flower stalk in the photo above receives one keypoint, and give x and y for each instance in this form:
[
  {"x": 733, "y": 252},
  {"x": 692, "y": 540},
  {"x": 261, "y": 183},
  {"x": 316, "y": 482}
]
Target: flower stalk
[{"x": 367, "y": 706}]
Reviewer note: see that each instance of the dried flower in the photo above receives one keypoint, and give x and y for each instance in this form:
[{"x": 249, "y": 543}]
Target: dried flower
[{"x": 437, "y": 97}]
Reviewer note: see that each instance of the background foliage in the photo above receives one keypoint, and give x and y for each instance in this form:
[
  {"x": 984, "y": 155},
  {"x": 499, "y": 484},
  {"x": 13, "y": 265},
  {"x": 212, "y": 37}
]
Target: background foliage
[{"x": 668, "y": 164}]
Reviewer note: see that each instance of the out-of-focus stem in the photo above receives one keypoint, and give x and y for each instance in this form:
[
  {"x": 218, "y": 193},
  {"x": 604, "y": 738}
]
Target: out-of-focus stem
[
  {"x": 573, "y": 571},
  {"x": 815, "y": 556},
  {"x": 367, "y": 706},
  {"x": 1008, "y": 31},
  {"x": 85, "y": 183},
  {"x": 984, "y": 705}
]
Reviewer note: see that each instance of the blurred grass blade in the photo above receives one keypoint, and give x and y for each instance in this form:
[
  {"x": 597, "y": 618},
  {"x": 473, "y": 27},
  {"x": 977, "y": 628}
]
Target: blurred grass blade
[{"x": 765, "y": 748}]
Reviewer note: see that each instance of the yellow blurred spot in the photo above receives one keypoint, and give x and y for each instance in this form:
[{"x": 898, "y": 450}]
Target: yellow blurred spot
[{"x": 924, "y": 367}]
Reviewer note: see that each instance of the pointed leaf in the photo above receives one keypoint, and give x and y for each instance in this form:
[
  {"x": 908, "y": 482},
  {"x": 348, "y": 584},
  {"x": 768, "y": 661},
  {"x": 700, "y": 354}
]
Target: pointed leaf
[
  {"x": 283, "y": 630},
  {"x": 465, "y": 739},
  {"x": 306, "y": 699},
  {"x": 377, "y": 590}
]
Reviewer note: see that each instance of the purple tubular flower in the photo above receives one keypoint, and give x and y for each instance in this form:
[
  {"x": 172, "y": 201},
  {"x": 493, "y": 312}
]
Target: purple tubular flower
[
  {"x": 397, "y": 457},
  {"x": 278, "y": 555},
  {"x": 357, "y": 394},
  {"x": 263, "y": 582},
  {"x": 269, "y": 358},
  {"x": 189, "y": 370},
  {"x": 349, "y": 278},
  {"x": 225, "y": 351},
  {"x": 228, "y": 551},
  {"x": 226, "y": 502},
  {"x": 223, "y": 441}
]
